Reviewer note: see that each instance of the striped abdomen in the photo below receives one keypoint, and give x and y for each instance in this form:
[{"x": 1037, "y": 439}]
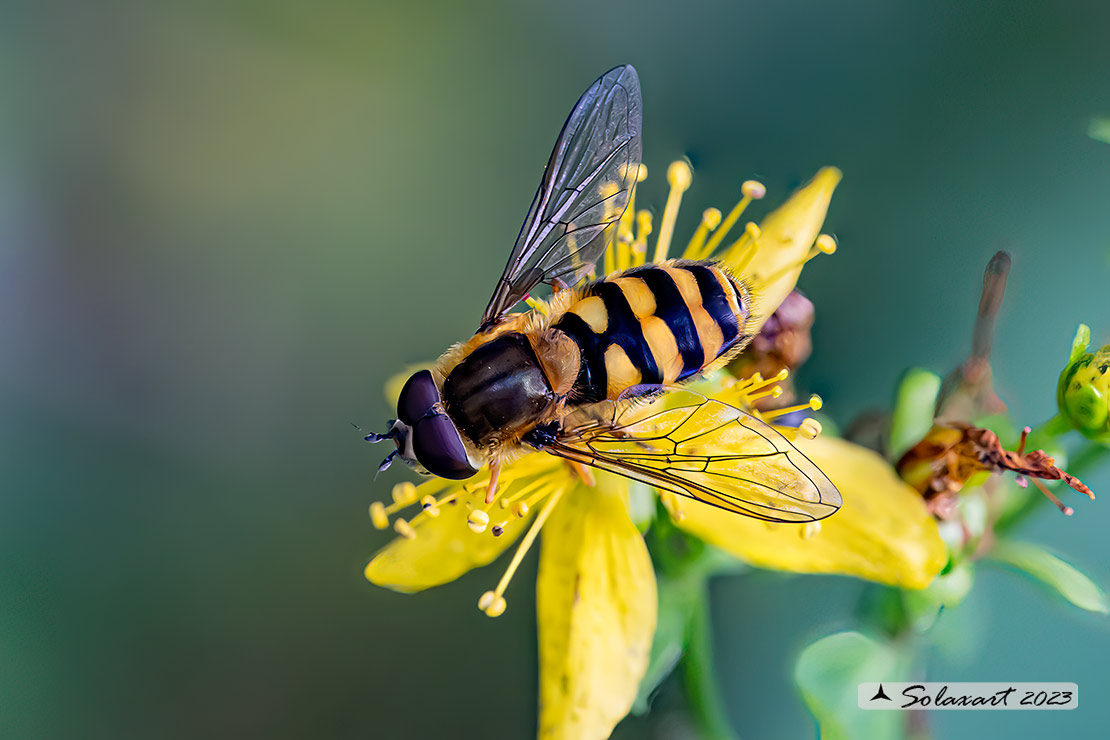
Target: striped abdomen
[{"x": 654, "y": 324}]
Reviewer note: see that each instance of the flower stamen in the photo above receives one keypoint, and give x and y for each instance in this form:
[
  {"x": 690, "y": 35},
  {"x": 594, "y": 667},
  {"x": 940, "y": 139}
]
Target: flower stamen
[
  {"x": 493, "y": 602},
  {"x": 507, "y": 501},
  {"x": 639, "y": 245},
  {"x": 679, "y": 177},
  {"x": 378, "y": 517},
  {"x": 584, "y": 473},
  {"x": 1064, "y": 508},
  {"x": 536, "y": 305},
  {"x": 814, "y": 404},
  {"x": 825, "y": 244},
  {"x": 750, "y": 190},
  {"x": 710, "y": 219},
  {"x": 403, "y": 528},
  {"x": 740, "y": 252}
]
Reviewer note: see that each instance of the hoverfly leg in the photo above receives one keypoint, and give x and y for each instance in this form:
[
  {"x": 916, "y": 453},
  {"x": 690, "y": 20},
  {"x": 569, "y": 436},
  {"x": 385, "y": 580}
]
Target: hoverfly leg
[
  {"x": 374, "y": 438},
  {"x": 542, "y": 436},
  {"x": 386, "y": 462},
  {"x": 494, "y": 472}
]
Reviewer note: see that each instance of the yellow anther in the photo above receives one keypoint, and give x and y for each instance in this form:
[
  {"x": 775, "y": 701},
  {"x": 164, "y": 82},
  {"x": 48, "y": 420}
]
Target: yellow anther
[
  {"x": 826, "y": 243},
  {"x": 756, "y": 382},
  {"x": 809, "y": 429},
  {"x": 378, "y": 516},
  {"x": 814, "y": 404},
  {"x": 520, "y": 508},
  {"x": 404, "y": 529},
  {"x": 710, "y": 219},
  {"x": 404, "y": 493},
  {"x": 753, "y": 189},
  {"x": 809, "y": 530},
  {"x": 428, "y": 504},
  {"x": 477, "y": 520},
  {"x": 752, "y": 380},
  {"x": 492, "y": 604},
  {"x": 752, "y": 230},
  {"x": 680, "y": 174},
  {"x": 536, "y": 304},
  {"x": 641, "y": 174}
]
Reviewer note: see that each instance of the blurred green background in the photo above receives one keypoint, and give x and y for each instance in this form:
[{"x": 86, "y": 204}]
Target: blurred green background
[{"x": 223, "y": 226}]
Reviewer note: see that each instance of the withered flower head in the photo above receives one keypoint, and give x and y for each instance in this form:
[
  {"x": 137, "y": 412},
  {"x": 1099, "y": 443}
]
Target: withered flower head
[{"x": 952, "y": 454}]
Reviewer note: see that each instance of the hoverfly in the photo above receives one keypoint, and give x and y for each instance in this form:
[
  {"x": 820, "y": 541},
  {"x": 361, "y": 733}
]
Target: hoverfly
[{"x": 596, "y": 379}]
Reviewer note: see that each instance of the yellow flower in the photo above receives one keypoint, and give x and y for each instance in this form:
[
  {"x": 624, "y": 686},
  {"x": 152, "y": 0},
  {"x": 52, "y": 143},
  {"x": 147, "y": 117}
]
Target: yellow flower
[{"x": 596, "y": 591}]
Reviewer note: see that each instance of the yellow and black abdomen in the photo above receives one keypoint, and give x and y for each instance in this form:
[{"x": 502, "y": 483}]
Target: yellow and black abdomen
[{"x": 653, "y": 325}]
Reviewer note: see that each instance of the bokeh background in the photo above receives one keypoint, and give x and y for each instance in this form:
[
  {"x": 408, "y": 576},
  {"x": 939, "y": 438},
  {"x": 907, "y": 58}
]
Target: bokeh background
[{"x": 224, "y": 225}]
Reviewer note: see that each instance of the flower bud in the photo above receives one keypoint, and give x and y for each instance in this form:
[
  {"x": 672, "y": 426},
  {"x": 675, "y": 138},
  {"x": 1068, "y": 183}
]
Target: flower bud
[{"x": 1083, "y": 393}]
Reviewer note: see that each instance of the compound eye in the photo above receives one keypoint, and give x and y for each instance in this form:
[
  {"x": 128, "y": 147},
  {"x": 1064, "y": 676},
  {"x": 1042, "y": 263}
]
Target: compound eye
[
  {"x": 440, "y": 449},
  {"x": 417, "y": 397}
]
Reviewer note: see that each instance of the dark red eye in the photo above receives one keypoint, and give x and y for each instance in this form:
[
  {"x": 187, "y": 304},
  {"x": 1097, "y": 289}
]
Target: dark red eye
[
  {"x": 417, "y": 397},
  {"x": 440, "y": 449}
]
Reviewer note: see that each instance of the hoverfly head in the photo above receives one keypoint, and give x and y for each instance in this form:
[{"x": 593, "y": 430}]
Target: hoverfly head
[{"x": 427, "y": 440}]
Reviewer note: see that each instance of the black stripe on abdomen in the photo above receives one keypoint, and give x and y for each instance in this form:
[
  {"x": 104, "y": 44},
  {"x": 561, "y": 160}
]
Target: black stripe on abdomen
[
  {"x": 624, "y": 330},
  {"x": 592, "y": 384},
  {"x": 714, "y": 301},
  {"x": 672, "y": 308}
]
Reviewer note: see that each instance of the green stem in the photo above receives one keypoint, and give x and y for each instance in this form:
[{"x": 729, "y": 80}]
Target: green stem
[{"x": 698, "y": 677}]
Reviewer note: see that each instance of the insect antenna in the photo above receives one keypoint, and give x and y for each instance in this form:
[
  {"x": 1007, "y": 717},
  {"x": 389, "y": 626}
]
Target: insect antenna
[{"x": 373, "y": 437}]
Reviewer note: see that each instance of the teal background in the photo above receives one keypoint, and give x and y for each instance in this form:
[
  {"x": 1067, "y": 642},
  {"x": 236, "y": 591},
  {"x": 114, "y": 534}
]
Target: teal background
[{"x": 223, "y": 226}]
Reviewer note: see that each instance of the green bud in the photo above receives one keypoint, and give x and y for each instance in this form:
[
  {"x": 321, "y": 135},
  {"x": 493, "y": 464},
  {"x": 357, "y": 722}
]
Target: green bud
[{"x": 1083, "y": 393}]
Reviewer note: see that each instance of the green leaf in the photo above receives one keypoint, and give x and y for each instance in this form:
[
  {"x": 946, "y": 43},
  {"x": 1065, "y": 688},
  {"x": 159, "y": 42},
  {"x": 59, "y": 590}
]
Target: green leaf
[
  {"x": 677, "y": 600},
  {"x": 1099, "y": 129},
  {"x": 945, "y": 592},
  {"x": 828, "y": 673},
  {"x": 1053, "y": 572},
  {"x": 914, "y": 406},
  {"x": 1081, "y": 342}
]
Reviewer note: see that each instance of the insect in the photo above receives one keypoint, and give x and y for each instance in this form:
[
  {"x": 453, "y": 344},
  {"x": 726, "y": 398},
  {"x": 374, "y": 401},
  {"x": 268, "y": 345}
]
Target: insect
[{"x": 597, "y": 380}]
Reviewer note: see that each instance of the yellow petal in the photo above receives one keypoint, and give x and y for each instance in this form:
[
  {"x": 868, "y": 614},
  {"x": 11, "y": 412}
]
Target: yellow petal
[
  {"x": 596, "y": 606},
  {"x": 444, "y": 546},
  {"x": 786, "y": 235},
  {"x": 882, "y": 532}
]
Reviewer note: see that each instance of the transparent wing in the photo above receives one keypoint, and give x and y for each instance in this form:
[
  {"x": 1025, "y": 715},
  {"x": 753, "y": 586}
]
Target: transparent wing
[
  {"x": 704, "y": 449},
  {"x": 584, "y": 190}
]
